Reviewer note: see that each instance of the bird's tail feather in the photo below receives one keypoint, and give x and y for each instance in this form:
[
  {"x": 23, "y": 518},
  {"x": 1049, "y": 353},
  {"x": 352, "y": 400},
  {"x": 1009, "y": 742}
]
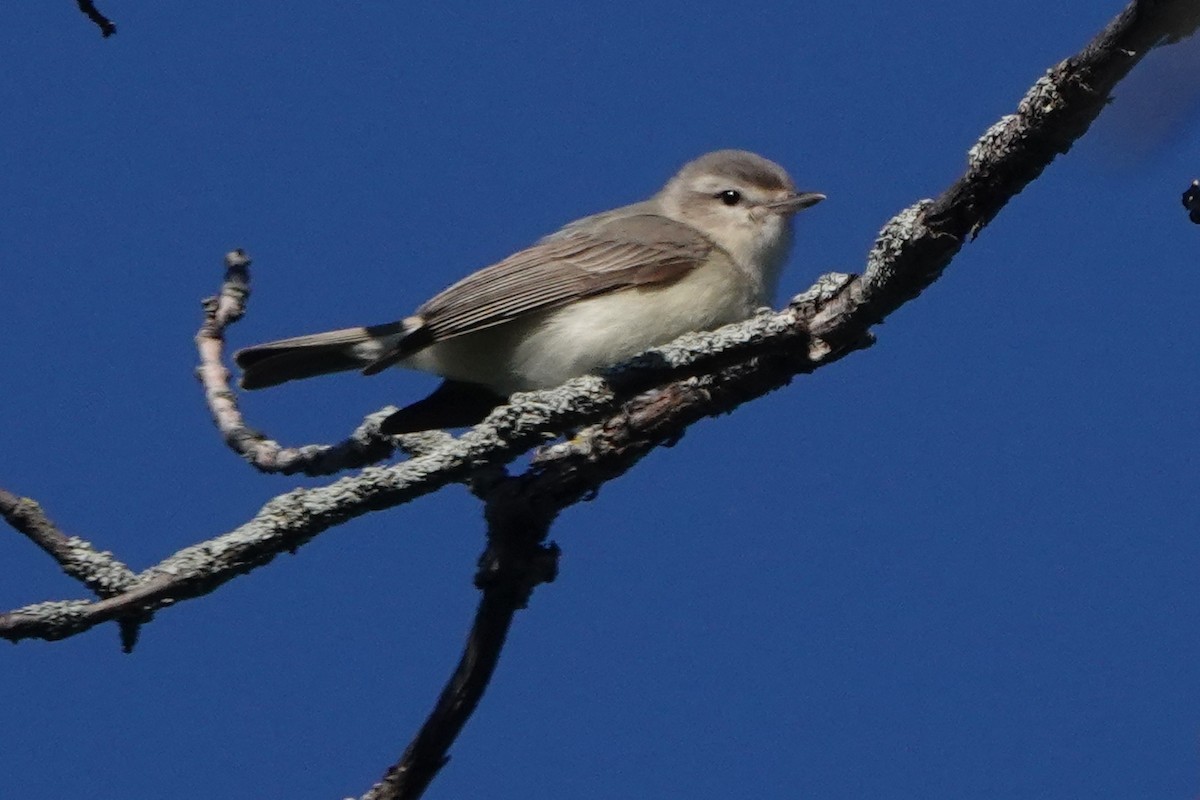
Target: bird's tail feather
[{"x": 285, "y": 360}]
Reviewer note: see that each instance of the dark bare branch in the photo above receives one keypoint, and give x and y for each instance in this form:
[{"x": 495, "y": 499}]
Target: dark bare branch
[
  {"x": 107, "y": 28},
  {"x": 516, "y": 561},
  {"x": 520, "y": 511}
]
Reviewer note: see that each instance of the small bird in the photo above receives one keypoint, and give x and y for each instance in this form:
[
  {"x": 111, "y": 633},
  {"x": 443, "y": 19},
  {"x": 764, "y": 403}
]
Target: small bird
[{"x": 706, "y": 250}]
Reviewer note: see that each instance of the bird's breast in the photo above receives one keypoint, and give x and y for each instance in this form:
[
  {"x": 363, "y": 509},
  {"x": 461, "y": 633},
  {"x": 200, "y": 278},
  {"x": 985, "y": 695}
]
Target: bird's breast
[{"x": 605, "y": 330}]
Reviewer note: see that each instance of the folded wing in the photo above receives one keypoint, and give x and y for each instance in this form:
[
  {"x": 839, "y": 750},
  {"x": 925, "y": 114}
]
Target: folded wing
[{"x": 578, "y": 262}]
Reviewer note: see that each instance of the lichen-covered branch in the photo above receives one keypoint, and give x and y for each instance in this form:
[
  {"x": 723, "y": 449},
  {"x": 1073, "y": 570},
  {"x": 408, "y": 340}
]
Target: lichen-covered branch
[
  {"x": 365, "y": 445},
  {"x": 910, "y": 253},
  {"x": 288, "y": 521},
  {"x": 98, "y": 570},
  {"x": 917, "y": 244}
]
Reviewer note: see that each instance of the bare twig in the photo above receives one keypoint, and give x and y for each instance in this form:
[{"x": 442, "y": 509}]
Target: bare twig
[
  {"x": 365, "y": 445},
  {"x": 107, "y": 28}
]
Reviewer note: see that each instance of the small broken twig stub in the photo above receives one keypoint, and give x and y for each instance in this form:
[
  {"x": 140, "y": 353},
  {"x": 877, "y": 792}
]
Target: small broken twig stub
[{"x": 1191, "y": 201}]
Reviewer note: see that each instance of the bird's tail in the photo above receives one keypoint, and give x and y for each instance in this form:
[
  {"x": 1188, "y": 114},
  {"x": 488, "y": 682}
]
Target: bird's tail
[{"x": 285, "y": 360}]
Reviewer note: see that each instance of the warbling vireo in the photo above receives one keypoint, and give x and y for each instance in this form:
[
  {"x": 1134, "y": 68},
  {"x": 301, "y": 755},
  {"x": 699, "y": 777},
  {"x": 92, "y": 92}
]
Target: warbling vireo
[{"x": 704, "y": 251}]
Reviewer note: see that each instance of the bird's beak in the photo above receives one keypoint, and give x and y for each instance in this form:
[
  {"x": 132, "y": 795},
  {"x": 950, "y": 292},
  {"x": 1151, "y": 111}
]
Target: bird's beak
[{"x": 795, "y": 202}]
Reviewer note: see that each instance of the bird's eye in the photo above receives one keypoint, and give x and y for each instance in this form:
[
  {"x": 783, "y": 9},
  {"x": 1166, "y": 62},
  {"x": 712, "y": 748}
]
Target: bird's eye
[{"x": 730, "y": 197}]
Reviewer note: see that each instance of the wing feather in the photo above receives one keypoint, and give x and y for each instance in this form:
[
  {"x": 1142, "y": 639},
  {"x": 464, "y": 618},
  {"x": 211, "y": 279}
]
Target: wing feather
[{"x": 578, "y": 262}]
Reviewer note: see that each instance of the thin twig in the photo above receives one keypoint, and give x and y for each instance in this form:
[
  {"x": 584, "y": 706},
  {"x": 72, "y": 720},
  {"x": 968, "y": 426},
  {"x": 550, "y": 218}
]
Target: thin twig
[
  {"x": 107, "y": 28},
  {"x": 365, "y": 445}
]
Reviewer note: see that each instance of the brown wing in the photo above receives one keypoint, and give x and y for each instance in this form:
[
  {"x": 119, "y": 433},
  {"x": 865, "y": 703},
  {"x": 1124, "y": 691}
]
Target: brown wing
[{"x": 617, "y": 253}]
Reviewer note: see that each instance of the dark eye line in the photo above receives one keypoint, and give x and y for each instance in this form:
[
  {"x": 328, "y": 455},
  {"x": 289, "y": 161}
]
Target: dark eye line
[{"x": 730, "y": 197}]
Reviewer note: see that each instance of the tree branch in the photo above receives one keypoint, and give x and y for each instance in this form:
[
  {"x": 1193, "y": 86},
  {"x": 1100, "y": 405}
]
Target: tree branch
[
  {"x": 107, "y": 28},
  {"x": 365, "y": 445},
  {"x": 649, "y": 402},
  {"x": 96, "y": 569},
  {"x": 515, "y": 561},
  {"x": 290, "y": 520},
  {"x": 910, "y": 253},
  {"x": 917, "y": 244}
]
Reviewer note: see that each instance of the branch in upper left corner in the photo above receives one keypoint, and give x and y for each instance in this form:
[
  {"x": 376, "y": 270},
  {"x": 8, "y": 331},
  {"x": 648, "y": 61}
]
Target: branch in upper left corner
[{"x": 106, "y": 26}]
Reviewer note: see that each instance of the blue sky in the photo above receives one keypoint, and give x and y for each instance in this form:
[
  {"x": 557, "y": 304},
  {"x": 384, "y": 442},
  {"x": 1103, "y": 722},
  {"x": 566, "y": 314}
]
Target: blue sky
[{"x": 960, "y": 564}]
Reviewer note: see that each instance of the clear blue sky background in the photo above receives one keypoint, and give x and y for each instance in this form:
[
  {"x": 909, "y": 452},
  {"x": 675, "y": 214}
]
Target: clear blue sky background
[{"x": 961, "y": 564}]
